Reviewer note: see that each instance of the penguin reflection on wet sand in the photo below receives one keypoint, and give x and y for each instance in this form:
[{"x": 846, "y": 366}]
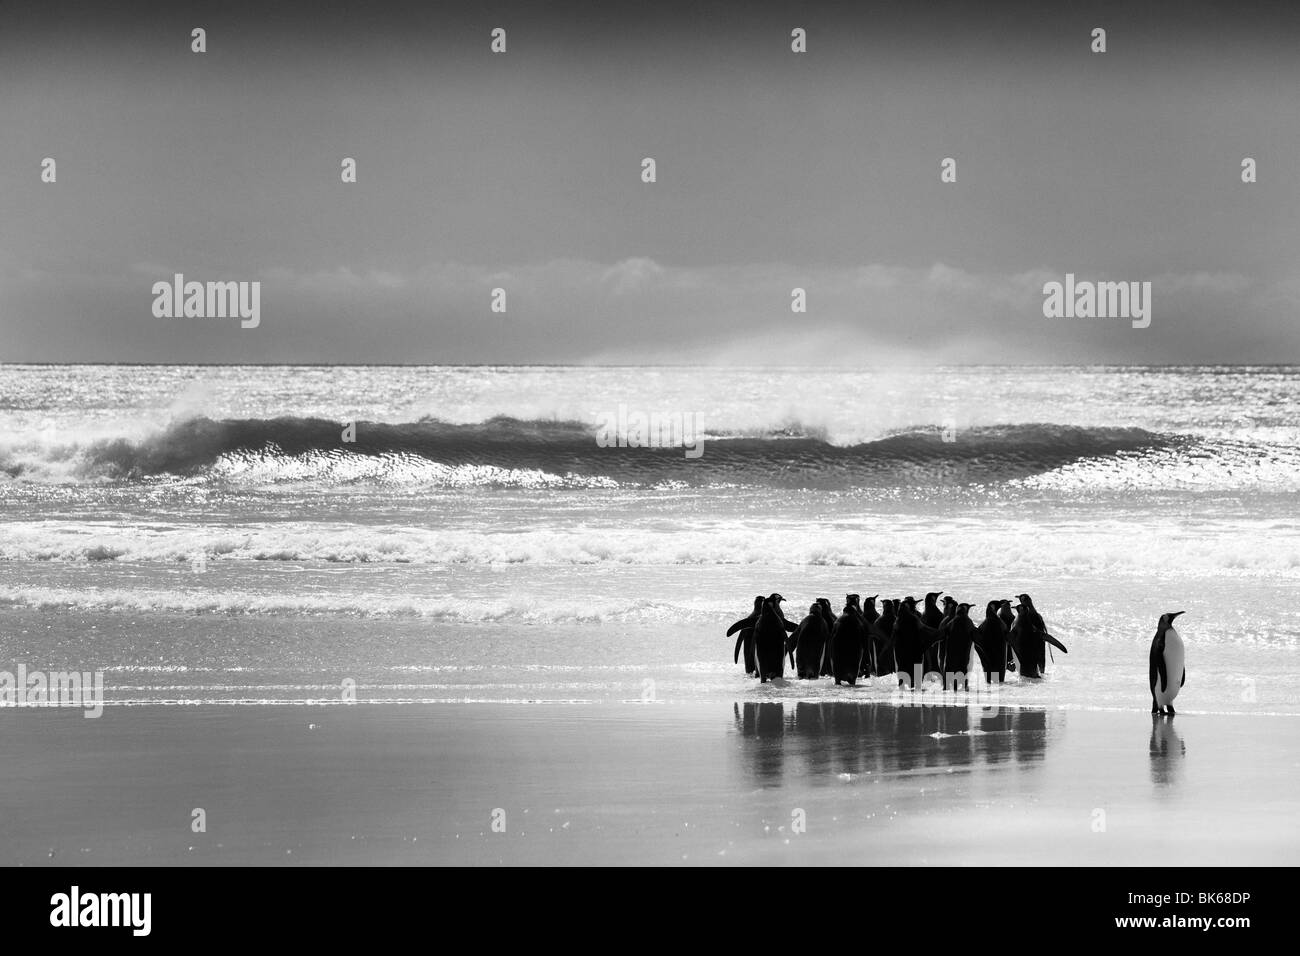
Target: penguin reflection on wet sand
[
  {"x": 1168, "y": 752},
  {"x": 1167, "y": 673}
]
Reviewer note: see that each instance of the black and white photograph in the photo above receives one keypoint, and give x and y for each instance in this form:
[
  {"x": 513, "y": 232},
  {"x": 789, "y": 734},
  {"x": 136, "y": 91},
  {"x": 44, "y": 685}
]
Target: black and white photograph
[{"x": 649, "y": 434}]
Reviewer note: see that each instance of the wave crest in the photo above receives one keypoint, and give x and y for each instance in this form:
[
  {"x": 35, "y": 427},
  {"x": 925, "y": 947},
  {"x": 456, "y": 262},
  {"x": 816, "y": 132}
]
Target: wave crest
[{"x": 545, "y": 453}]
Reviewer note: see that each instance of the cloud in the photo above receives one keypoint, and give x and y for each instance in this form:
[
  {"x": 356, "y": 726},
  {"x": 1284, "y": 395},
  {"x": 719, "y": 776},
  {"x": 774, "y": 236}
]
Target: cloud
[
  {"x": 637, "y": 309},
  {"x": 632, "y": 275}
]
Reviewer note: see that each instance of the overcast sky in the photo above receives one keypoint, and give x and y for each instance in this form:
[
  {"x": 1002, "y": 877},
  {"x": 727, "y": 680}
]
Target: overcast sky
[{"x": 775, "y": 170}]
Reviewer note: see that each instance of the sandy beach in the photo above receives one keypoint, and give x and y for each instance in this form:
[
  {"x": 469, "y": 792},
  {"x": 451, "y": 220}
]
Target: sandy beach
[{"x": 702, "y": 784}]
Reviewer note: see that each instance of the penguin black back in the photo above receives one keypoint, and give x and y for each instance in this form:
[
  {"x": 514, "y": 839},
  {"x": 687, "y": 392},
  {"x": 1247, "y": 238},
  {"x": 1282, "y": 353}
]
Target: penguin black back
[
  {"x": 932, "y": 617},
  {"x": 909, "y": 649},
  {"x": 810, "y": 642},
  {"x": 869, "y": 609},
  {"x": 769, "y": 641},
  {"x": 960, "y": 637},
  {"x": 848, "y": 642},
  {"x": 1029, "y": 638},
  {"x": 745, "y": 640},
  {"x": 1005, "y": 615},
  {"x": 829, "y": 615},
  {"x": 991, "y": 639}
]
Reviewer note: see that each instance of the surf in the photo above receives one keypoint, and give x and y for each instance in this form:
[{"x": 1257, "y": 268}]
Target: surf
[{"x": 549, "y": 453}]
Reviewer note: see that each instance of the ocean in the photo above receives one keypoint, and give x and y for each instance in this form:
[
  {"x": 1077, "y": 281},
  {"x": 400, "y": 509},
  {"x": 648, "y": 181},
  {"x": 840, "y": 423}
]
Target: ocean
[{"x": 206, "y": 535}]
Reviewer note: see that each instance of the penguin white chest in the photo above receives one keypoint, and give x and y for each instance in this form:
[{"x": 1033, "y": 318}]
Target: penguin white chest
[{"x": 1174, "y": 660}]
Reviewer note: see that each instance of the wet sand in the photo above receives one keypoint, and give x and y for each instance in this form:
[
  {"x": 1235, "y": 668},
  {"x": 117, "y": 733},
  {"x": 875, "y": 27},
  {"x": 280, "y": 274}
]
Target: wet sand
[{"x": 699, "y": 783}]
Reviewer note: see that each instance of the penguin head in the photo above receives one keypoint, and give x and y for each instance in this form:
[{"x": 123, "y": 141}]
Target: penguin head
[
  {"x": 933, "y": 596},
  {"x": 991, "y": 608},
  {"x": 950, "y": 602},
  {"x": 963, "y": 610},
  {"x": 1025, "y": 600},
  {"x": 851, "y": 600},
  {"x": 1167, "y": 619},
  {"x": 758, "y": 601},
  {"x": 776, "y": 599}
]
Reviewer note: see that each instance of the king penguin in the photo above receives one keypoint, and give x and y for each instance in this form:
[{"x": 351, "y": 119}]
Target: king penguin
[
  {"x": 1167, "y": 671},
  {"x": 991, "y": 639},
  {"x": 746, "y": 639},
  {"x": 848, "y": 642},
  {"x": 808, "y": 643},
  {"x": 932, "y": 617},
  {"x": 961, "y": 635},
  {"x": 769, "y": 640},
  {"x": 828, "y": 615},
  {"x": 1029, "y": 639}
]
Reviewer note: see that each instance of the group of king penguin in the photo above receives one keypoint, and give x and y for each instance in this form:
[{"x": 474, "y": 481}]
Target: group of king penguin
[
  {"x": 901, "y": 638},
  {"x": 910, "y": 642}
]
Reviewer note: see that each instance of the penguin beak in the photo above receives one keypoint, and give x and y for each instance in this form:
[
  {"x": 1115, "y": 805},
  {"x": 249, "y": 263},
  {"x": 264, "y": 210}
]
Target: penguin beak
[{"x": 1175, "y": 614}]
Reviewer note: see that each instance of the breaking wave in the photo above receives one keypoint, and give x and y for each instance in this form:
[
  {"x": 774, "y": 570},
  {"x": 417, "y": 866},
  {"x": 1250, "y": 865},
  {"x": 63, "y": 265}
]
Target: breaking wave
[{"x": 555, "y": 454}]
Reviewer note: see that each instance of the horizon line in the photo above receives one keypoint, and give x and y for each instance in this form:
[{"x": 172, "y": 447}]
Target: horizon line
[{"x": 828, "y": 368}]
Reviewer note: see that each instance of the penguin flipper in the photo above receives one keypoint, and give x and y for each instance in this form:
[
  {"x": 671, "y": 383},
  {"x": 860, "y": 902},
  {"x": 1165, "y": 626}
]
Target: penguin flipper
[
  {"x": 792, "y": 641},
  {"x": 742, "y": 623},
  {"x": 1184, "y": 680},
  {"x": 739, "y": 641},
  {"x": 790, "y": 625},
  {"x": 1157, "y": 670},
  {"x": 1054, "y": 642}
]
